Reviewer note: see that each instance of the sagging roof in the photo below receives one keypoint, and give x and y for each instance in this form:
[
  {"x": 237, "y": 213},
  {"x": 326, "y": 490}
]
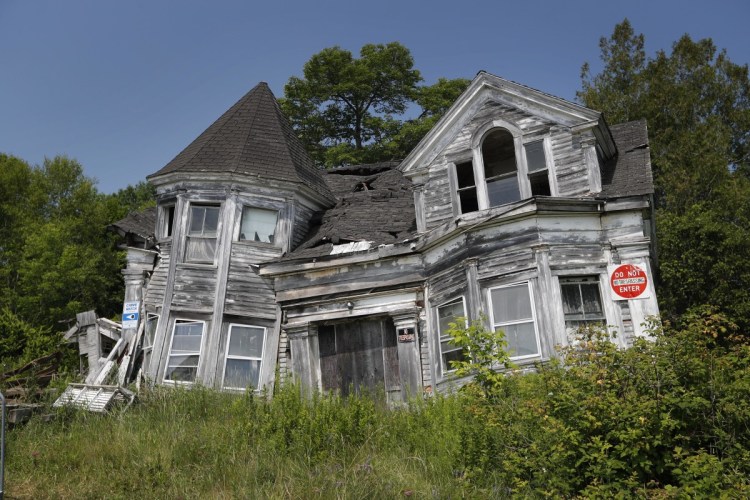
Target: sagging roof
[
  {"x": 375, "y": 205},
  {"x": 137, "y": 226},
  {"x": 629, "y": 173},
  {"x": 253, "y": 138}
]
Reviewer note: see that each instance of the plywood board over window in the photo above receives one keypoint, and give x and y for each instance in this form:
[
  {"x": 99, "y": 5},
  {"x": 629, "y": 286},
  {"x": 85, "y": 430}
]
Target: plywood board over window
[{"x": 359, "y": 356}]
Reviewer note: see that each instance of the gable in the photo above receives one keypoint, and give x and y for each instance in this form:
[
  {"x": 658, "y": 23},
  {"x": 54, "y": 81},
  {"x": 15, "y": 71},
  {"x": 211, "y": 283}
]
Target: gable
[{"x": 487, "y": 89}]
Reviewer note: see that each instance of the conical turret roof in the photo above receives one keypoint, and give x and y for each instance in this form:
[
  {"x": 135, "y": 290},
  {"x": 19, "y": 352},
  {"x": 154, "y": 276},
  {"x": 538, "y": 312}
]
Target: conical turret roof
[{"x": 253, "y": 138}]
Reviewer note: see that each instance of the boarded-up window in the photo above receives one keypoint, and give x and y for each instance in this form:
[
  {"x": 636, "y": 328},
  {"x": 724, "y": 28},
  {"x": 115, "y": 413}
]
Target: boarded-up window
[
  {"x": 258, "y": 224},
  {"x": 202, "y": 232},
  {"x": 184, "y": 351},
  {"x": 244, "y": 357},
  {"x": 359, "y": 355},
  {"x": 500, "y": 170},
  {"x": 447, "y": 314},
  {"x": 513, "y": 312},
  {"x": 582, "y": 303}
]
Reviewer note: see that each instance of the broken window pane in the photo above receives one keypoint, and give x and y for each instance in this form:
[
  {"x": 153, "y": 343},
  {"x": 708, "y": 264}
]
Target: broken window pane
[
  {"x": 499, "y": 156},
  {"x": 258, "y": 224},
  {"x": 467, "y": 191},
  {"x": 582, "y": 304}
]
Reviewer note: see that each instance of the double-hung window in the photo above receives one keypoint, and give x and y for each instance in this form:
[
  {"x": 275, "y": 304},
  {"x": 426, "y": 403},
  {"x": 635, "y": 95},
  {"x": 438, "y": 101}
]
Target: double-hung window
[
  {"x": 244, "y": 357},
  {"x": 184, "y": 351},
  {"x": 509, "y": 171},
  {"x": 258, "y": 224},
  {"x": 202, "y": 233},
  {"x": 582, "y": 303},
  {"x": 500, "y": 168},
  {"x": 536, "y": 165},
  {"x": 467, "y": 189},
  {"x": 513, "y": 312},
  {"x": 447, "y": 314}
]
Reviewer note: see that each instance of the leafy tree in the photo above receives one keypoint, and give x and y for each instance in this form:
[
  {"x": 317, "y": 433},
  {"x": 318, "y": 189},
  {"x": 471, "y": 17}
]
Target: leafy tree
[
  {"x": 486, "y": 353},
  {"x": 133, "y": 198},
  {"x": 346, "y": 110},
  {"x": 57, "y": 257},
  {"x": 350, "y": 101},
  {"x": 697, "y": 104},
  {"x": 434, "y": 101}
]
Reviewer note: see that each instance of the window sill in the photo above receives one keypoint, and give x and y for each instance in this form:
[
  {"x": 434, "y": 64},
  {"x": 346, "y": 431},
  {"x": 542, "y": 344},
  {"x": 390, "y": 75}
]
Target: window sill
[
  {"x": 259, "y": 244},
  {"x": 196, "y": 265}
]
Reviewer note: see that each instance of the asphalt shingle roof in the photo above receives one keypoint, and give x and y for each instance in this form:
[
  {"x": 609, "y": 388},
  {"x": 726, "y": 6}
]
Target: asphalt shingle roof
[
  {"x": 378, "y": 208},
  {"x": 141, "y": 223},
  {"x": 628, "y": 174},
  {"x": 253, "y": 138}
]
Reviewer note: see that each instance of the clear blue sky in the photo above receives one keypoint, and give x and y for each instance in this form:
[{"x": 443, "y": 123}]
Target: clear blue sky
[{"x": 123, "y": 86}]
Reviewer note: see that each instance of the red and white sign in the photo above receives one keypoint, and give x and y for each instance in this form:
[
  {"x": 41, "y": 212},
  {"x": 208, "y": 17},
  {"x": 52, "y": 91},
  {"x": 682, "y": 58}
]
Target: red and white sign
[{"x": 628, "y": 281}]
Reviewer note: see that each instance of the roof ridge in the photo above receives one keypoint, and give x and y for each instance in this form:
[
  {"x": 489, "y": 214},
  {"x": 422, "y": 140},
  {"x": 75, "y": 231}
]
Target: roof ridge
[{"x": 253, "y": 118}]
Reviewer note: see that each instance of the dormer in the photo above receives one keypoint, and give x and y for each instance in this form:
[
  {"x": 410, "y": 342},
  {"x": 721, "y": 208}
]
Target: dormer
[{"x": 502, "y": 142}]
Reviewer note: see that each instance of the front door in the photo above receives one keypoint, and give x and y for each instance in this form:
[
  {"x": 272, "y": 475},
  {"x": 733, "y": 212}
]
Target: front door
[{"x": 360, "y": 356}]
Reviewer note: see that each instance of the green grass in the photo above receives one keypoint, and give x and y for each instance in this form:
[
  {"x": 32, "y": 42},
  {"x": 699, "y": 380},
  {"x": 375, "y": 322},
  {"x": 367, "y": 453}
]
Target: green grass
[
  {"x": 202, "y": 443},
  {"x": 667, "y": 418}
]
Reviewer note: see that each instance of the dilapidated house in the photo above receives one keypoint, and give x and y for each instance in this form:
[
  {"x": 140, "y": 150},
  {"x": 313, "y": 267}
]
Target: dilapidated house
[{"x": 515, "y": 208}]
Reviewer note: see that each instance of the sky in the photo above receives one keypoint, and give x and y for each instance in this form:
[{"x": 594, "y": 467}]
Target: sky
[{"x": 124, "y": 86}]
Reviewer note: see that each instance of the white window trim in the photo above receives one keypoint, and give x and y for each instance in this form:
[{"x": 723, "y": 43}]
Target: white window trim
[
  {"x": 187, "y": 235},
  {"x": 579, "y": 280},
  {"x": 276, "y": 232},
  {"x": 522, "y": 171},
  {"x": 227, "y": 356},
  {"x": 200, "y": 351},
  {"x": 148, "y": 349},
  {"x": 495, "y": 325},
  {"x": 548, "y": 160},
  {"x": 444, "y": 370},
  {"x": 164, "y": 226}
]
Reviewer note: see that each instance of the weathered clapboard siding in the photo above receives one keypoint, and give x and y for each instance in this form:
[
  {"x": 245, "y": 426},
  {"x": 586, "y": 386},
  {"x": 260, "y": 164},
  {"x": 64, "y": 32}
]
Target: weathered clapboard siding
[
  {"x": 577, "y": 260},
  {"x": 448, "y": 285},
  {"x": 303, "y": 212},
  {"x": 158, "y": 282},
  {"x": 194, "y": 287},
  {"x": 570, "y": 171},
  {"x": 353, "y": 276},
  {"x": 248, "y": 294},
  {"x": 437, "y": 197},
  {"x": 570, "y": 168}
]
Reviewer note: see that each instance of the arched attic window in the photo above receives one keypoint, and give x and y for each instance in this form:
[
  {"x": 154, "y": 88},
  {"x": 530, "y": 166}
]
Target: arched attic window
[{"x": 500, "y": 168}]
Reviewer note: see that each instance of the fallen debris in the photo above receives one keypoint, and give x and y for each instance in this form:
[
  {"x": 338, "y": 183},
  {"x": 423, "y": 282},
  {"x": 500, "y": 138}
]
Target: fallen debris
[{"x": 95, "y": 398}]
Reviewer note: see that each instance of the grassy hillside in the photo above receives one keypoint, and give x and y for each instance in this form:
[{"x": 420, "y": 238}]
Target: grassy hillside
[{"x": 667, "y": 418}]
